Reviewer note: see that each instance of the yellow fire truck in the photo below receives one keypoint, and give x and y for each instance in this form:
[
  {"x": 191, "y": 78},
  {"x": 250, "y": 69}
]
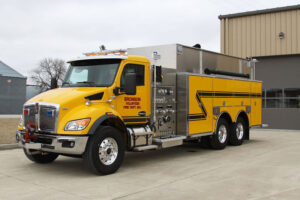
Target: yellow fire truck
[{"x": 141, "y": 99}]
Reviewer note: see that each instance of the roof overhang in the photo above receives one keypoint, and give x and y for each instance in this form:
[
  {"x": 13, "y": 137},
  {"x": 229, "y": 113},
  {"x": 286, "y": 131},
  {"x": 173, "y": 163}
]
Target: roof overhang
[{"x": 257, "y": 12}]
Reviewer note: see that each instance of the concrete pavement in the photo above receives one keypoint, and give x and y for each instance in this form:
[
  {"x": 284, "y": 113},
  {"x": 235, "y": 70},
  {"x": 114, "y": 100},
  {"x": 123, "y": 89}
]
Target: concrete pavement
[{"x": 266, "y": 167}]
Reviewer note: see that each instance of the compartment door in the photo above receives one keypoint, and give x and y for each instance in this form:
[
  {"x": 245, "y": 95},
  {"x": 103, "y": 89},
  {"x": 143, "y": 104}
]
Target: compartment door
[{"x": 200, "y": 104}]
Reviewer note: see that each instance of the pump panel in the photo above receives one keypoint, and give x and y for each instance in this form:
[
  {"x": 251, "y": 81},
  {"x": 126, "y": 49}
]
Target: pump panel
[{"x": 164, "y": 103}]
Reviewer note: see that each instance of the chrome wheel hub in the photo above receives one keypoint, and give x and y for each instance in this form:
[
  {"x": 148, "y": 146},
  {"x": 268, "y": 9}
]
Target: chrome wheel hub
[
  {"x": 222, "y": 134},
  {"x": 108, "y": 151},
  {"x": 239, "y": 131}
]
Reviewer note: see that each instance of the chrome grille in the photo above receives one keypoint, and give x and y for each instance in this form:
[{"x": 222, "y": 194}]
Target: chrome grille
[
  {"x": 43, "y": 115},
  {"x": 47, "y": 118},
  {"x": 30, "y": 118}
]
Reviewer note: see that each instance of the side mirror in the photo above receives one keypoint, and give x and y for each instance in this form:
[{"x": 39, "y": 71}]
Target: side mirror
[
  {"x": 130, "y": 83},
  {"x": 53, "y": 84}
]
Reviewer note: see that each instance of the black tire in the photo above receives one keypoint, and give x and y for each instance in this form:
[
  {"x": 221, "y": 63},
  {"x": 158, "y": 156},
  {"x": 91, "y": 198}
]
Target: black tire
[
  {"x": 216, "y": 141},
  {"x": 104, "y": 136},
  {"x": 237, "y": 132},
  {"x": 42, "y": 158},
  {"x": 204, "y": 142}
]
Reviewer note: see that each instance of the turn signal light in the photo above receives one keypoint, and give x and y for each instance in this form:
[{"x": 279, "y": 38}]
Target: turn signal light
[
  {"x": 83, "y": 122},
  {"x": 77, "y": 125}
]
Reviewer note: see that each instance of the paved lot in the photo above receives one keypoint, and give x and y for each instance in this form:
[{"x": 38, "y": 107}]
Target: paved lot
[{"x": 266, "y": 167}]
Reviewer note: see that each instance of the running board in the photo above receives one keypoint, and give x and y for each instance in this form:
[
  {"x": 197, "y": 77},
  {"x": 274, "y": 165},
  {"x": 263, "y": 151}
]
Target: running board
[
  {"x": 169, "y": 142},
  {"x": 144, "y": 148}
]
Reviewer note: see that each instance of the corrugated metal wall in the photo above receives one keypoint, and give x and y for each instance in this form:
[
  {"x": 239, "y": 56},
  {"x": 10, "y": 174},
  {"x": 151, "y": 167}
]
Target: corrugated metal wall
[
  {"x": 12, "y": 94},
  {"x": 258, "y": 35}
]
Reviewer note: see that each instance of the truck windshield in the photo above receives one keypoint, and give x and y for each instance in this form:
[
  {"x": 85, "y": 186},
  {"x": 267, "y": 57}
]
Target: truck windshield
[{"x": 91, "y": 73}]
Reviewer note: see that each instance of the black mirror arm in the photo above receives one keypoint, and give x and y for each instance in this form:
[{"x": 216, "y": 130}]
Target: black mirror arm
[{"x": 117, "y": 91}]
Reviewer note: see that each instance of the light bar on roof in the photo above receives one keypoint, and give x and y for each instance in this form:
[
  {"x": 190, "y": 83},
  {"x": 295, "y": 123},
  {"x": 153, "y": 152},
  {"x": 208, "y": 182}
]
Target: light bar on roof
[{"x": 106, "y": 52}]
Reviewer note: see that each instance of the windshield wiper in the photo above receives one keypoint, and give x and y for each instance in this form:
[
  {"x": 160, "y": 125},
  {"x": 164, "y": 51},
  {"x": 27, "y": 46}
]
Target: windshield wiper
[
  {"x": 64, "y": 83},
  {"x": 91, "y": 83}
]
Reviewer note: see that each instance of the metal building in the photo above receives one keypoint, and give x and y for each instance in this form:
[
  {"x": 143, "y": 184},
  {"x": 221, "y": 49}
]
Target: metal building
[
  {"x": 272, "y": 36},
  {"x": 32, "y": 90},
  {"x": 12, "y": 90}
]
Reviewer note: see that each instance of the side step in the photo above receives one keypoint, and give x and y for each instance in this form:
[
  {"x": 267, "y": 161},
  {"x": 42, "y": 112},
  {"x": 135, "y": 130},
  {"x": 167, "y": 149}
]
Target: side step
[
  {"x": 169, "y": 142},
  {"x": 144, "y": 148}
]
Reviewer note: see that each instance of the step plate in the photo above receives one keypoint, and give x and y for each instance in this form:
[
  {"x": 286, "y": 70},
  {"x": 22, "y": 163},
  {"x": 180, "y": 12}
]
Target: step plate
[
  {"x": 169, "y": 142},
  {"x": 144, "y": 148}
]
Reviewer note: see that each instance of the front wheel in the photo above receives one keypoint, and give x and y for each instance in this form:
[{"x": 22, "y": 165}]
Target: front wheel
[
  {"x": 219, "y": 139},
  {"x": 105, "y": 151}
]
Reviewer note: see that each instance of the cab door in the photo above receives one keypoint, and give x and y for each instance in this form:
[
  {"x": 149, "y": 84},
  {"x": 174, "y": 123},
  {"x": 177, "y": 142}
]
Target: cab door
[{"x": 135, "y": 109}]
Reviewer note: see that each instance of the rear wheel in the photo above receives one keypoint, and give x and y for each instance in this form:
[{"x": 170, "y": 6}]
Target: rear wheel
[
  {"x": 220, "y": 138},
  {"x": 105, "y": 151},
  {"x": 40, "y": 157},
  {"x": 237, "y": 132}
]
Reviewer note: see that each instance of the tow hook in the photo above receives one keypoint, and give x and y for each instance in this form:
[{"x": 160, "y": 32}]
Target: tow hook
[{"x": 29, "y": 134}]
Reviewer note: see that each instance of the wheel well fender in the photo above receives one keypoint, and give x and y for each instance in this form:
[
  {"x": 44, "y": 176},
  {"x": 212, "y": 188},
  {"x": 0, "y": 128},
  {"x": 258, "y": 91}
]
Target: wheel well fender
[
  {"x": 224, "y": 115},
  {"x": 110, "y": 120},
  {"x": 245, "y": 117}
]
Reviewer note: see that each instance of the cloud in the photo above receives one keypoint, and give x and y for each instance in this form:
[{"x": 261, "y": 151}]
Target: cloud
[{"x": 32, "y": 30}]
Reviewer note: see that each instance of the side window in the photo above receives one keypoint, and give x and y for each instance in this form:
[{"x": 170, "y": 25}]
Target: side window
[{"x": 134, "y": 68}]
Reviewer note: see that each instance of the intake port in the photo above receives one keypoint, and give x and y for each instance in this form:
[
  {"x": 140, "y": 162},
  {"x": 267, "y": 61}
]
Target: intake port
[{"x": 166, "y": 119}]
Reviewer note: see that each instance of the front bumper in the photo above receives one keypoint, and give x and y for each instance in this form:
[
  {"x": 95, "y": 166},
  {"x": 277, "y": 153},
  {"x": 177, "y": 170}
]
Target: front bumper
[{"x": 74, "y": 145}]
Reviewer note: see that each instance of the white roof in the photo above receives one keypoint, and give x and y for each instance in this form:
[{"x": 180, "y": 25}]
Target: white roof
[{"x": 109, "y": 56}]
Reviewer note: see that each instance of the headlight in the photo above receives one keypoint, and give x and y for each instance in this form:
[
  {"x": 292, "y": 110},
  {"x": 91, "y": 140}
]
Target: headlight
[{"x": 77, "y": 125}]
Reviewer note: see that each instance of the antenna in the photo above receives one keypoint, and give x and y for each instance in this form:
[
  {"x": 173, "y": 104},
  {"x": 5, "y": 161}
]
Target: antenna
[{"x": 102, "y": 47}]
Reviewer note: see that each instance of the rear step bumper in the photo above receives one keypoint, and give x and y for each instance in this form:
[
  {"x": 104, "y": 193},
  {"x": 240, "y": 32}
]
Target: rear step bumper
[{"x": 74, "y": 145}]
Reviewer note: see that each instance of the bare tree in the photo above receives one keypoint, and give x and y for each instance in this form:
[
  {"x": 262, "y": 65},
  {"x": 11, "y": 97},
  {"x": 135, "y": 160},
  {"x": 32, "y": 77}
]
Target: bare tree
[{"x": 47, "y": 69}]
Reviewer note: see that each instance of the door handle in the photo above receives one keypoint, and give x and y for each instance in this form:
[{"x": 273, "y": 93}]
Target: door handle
[{"x": 142, "y": 113}]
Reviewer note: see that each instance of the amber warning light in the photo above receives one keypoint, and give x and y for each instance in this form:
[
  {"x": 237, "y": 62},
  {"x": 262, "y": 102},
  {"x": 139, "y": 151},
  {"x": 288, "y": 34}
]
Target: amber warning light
[{"x": 106, "y": 52}]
